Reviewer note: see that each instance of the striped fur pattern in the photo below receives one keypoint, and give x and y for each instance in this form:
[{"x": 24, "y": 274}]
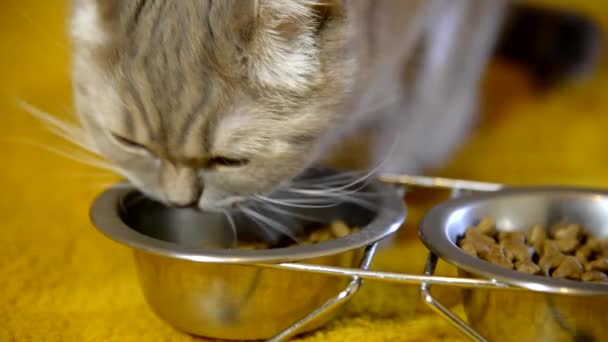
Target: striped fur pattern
[{"x": 211, "y": 102}]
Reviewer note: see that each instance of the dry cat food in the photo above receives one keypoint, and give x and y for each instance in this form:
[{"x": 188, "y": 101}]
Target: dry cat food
[
  {"x": 570, "y": 252},
  {"x": 336, "y": 229}
]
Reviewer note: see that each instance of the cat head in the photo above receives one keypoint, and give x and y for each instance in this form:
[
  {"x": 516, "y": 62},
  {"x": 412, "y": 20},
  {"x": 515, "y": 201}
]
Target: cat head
[{"x": 207, "y": 103}]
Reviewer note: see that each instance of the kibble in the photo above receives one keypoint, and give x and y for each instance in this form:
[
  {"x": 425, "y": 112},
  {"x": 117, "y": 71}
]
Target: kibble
[
  {"x": 568, "y": 251},
  {"x": 334, "y": 230}
]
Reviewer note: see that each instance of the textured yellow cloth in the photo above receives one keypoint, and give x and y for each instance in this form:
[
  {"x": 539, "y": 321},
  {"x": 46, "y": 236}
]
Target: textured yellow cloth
[{"x": 60, "y": 280}]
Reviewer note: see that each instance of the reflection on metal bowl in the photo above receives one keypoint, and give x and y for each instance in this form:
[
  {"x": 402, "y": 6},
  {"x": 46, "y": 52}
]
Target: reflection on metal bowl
[
  {"x": 554, "y": 309},
  {"x": 219, "y": 292}
]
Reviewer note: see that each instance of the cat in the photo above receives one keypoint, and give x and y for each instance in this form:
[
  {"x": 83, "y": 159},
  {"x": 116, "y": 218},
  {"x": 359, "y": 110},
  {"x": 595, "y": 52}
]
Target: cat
[{"x": 208, "y": 103}]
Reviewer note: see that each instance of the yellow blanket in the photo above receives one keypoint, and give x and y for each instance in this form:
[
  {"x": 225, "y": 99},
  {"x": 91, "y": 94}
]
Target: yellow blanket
[{"x": 60, "y": 280}]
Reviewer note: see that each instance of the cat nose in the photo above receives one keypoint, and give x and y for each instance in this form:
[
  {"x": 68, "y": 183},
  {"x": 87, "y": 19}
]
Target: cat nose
[
  {"x": 180, "y": 185},
  {"x": 189, "y": 199}
]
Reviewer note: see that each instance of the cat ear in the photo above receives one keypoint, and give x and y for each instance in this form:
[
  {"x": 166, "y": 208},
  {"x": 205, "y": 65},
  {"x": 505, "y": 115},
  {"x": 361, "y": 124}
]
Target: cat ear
[
  {"x": 88, "y": 17},
  {"x": 326, "y": 9},
  {"x": 103, "y": 10},
  {"x": 289, "y": 18}
]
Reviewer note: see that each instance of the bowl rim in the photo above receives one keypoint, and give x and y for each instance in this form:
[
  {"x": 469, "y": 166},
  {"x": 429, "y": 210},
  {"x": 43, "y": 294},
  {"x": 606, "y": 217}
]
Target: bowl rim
[
  {"x": 105, "y": 216},
  {"x": 433, "y": 234}
]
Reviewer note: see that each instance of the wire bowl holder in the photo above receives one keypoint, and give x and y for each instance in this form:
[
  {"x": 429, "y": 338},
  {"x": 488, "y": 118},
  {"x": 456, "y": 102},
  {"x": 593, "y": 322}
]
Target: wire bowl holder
[
  {"x": 426, "y": 280},
  {"x": 181, "y": 283}
]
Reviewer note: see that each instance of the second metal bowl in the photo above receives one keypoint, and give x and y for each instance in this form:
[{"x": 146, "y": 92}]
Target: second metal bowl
[{"x": 553, "y": 309}]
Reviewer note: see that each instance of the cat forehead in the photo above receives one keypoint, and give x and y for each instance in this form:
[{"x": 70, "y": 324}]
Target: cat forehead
[
  {"x": 215, "y": 26},
  {"x": 240, "y": 40}
]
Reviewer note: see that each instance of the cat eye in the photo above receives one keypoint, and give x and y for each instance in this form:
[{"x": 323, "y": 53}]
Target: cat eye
[
  {"x": 128, "y": 142},
  {"x": 227, "y": 162}
]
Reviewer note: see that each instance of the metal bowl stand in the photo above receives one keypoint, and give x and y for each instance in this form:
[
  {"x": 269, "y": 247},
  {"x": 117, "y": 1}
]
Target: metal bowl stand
[{"x": 425, "y": 280}]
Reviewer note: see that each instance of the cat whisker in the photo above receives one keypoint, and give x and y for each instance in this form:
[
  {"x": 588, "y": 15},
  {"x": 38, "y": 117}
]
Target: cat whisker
[
  {"x": 61, "y": 128},
  {"x": 361, "y": 202},
  {"x": 336, "y": 195},
  {"x": 45, "y": 117},
  {"x": 336, "y": 199},
  {"x": 294, "y": 205},
  {"x": 314, "y": 184},
  {"x": 305, "y": 200},
  {"x": 269, "y": 236},
  {"x": 333, "y": 194},
  {"x": 89, "y": 175},
  {"x": 274, "y": 208},
  {"x": 77, "y": 141},
  {"x": 277, "y": 226},
  {"x": 327, "y": 190},
  {"x": 71, "y": 155},
  {"x": 329, "y": 179},
  {"x": 232, "y": 225},
  {"x": 365, "y": 178}
]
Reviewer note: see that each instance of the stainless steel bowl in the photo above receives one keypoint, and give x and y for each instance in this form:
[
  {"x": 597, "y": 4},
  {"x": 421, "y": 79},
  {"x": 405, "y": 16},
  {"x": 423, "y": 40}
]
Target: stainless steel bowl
[
  {"x": 221, "y": 293},
  {"x": 553, "y": 309}
]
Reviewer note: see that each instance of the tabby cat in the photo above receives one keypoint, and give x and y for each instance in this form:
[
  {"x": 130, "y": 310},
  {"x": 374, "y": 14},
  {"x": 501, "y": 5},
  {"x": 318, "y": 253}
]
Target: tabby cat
[{"x": 209, "y": 103}]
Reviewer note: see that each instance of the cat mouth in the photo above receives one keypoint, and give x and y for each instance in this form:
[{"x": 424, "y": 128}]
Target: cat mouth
[{"x": 223, "y": 205}]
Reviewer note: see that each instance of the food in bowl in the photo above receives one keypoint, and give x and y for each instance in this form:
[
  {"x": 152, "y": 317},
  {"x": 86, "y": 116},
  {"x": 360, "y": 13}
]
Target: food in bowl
[
  {"x": 565, "y": 251},
  {"x": 335, "y": 229}
]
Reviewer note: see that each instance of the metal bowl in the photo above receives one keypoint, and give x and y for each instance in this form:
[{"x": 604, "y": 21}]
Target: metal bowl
[
  {"x": 553, "y": 309},
  {"x": 222, "y": 293}
]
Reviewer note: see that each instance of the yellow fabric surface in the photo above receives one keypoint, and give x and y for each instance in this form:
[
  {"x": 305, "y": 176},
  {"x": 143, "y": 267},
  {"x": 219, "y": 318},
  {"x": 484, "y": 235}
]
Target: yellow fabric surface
[{"x": 60, "y": 280}]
